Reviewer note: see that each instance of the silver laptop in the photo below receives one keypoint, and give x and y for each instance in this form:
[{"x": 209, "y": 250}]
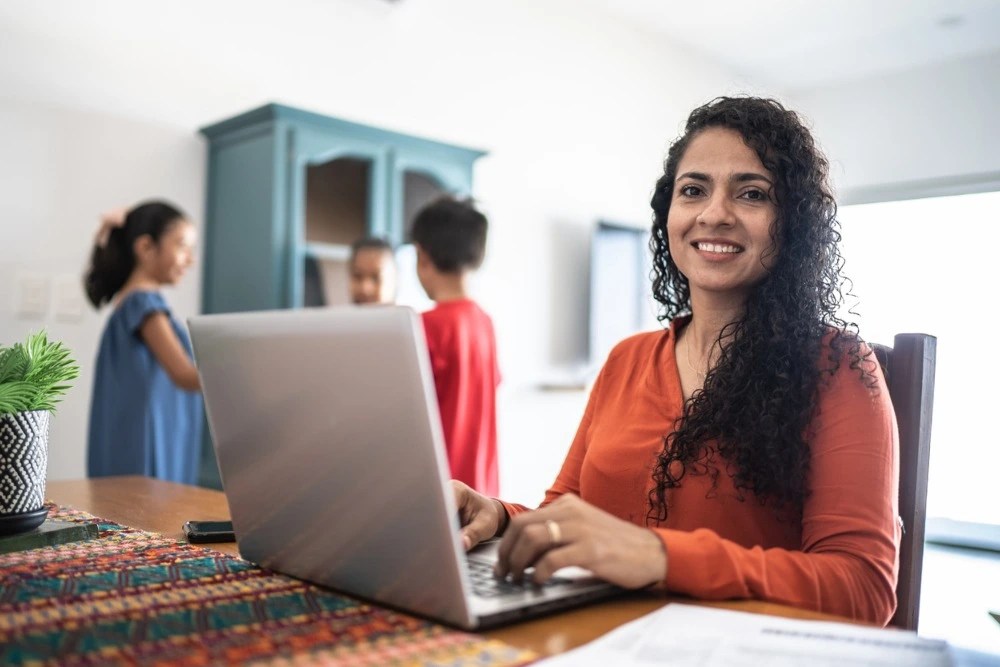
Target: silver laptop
[{"x": 329, "y": 443}]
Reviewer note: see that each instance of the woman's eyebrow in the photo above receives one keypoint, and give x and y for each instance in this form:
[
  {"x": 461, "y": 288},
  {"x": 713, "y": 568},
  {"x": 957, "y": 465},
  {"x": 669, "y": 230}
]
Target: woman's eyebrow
[
  {"x": 741, "y": 177},
  {"x": 749, "y": 176},
  {"x": 695, "y": 175}
]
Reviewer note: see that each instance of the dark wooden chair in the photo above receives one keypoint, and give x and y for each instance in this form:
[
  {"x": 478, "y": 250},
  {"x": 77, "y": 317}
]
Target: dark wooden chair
[{"x": 909, "y": 370}]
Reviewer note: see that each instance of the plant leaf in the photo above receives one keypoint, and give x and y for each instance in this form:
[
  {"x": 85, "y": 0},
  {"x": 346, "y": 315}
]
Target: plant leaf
[
  {"x": 35, "y": 375},
  {"x": 16, "y": 396}
]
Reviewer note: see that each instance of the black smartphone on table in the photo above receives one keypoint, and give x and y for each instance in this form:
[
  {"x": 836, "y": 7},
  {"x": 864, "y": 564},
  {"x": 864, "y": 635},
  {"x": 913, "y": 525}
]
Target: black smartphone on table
[{"x": 206, "y": 532}]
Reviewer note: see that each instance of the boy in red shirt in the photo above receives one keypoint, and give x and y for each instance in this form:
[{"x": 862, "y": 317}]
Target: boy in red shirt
[{"x": 450, "y": 239}]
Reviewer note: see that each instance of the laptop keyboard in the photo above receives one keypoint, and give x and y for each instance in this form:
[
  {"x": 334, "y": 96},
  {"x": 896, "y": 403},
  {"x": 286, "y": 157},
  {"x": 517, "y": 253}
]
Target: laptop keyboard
[{"x": 485, "y": 583}]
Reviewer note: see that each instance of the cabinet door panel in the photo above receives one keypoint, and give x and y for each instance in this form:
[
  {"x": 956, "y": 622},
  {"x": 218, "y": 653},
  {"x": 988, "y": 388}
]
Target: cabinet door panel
[{"x": 244, "y": 267}]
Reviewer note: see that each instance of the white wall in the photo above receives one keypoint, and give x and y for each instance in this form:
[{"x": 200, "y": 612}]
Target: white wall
[
  {"x": 101, "y": 103},
  {"x": 933, "y": 126},
  {"x": 59, "y": 168}
]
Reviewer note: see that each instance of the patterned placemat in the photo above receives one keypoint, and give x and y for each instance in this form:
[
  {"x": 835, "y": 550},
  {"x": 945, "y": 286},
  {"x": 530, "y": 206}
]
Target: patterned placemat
[{"x": 132, "y": 597}]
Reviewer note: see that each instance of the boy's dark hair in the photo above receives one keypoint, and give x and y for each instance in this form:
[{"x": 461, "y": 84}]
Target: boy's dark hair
[
  {"x": 370, "y": 243},
  {"x": 112, "y": 263},
  {"x": 452, "y": 233}
]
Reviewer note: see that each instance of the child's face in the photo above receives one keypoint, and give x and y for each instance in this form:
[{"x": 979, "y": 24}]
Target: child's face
[
  {"x": 373, "y": 276},
  {"x": 174, "y": 254}
]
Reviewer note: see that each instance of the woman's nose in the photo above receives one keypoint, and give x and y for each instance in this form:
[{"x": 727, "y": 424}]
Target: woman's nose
[{"x": 718, "y": 211}]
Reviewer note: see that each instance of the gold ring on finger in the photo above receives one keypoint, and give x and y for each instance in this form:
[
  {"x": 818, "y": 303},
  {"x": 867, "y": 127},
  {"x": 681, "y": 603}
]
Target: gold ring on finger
[{"x": 555, "y": 534}]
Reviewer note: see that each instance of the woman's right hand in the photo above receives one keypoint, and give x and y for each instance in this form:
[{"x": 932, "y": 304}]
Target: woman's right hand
[{"x": 482, "y": 518}]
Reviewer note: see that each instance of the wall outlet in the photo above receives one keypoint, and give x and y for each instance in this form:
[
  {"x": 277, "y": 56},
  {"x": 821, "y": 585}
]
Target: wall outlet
[
  {"x": 32, "y": 296},
  {"x": 67, "y": 291}
]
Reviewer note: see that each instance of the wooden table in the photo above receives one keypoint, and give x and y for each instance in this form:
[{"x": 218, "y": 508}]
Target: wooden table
[{"x": 163, "y": 507}]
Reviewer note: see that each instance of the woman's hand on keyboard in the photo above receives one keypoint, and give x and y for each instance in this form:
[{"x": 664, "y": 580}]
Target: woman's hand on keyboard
[
  {"x": 572, "y": 532},
  {"x": 481, "y": 517}
]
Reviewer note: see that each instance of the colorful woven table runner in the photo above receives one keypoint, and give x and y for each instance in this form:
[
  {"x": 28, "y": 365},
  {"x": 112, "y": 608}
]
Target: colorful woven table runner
[{"x": 132, "y": 597}]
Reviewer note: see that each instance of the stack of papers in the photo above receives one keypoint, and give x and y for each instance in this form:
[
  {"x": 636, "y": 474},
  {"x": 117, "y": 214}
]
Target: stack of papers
[{"x": 680, "y": 634}]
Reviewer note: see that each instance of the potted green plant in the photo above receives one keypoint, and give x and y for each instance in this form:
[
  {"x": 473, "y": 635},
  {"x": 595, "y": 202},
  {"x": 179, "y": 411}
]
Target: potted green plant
[{"x": 34, "y": 376}]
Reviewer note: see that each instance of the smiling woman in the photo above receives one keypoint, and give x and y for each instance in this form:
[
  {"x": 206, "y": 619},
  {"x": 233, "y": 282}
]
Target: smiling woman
[
  {"x": 720, "y": 225},
  {"x": 748, "y": 451}
]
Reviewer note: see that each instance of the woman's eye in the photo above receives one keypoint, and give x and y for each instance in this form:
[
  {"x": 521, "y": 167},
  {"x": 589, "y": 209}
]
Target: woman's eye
[
  {"x": 690, "y": 190},
  {"x": 755, "y": 195}
]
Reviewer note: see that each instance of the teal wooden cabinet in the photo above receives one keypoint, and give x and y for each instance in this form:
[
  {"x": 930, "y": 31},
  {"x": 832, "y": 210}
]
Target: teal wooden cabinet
[{"x": 290, "y": 190}]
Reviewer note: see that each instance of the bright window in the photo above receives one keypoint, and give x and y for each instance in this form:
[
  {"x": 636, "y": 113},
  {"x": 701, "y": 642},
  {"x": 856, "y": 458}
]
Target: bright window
[{"x": 932, "y": 266}]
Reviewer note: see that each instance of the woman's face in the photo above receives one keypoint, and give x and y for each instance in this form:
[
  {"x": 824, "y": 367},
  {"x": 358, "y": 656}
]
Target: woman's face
[{"x": 721, "y": 212}]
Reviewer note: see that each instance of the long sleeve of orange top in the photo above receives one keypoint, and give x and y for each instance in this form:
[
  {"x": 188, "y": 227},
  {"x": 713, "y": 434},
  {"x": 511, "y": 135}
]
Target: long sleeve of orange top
[{"x": 841, "y": 558}]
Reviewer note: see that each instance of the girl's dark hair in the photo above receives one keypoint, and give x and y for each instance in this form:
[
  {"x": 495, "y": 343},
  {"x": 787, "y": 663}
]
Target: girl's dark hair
[
  {"x": 113, "y": 263},
  {"x": 754, "y": 412}
]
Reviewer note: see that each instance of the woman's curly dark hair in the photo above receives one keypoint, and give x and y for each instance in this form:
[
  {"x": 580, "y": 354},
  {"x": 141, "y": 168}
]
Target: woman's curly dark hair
[{"x": 757, "y": 403}]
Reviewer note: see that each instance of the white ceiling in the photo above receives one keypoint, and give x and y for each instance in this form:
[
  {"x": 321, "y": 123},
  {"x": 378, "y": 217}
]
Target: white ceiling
[
  {"x": 797, "y": 44},
  {"x": 784, "y": 45}
]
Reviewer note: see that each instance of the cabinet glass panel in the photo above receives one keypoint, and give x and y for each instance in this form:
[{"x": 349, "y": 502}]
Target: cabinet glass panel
[
  {"x": 337, "y": 196},
  {"x": 336, "y": 215},
  {"x": 419, "y": 189}
]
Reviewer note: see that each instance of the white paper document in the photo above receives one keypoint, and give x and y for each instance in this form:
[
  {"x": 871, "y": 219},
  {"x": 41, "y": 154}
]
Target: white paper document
[{"x": 680, "y": 634}]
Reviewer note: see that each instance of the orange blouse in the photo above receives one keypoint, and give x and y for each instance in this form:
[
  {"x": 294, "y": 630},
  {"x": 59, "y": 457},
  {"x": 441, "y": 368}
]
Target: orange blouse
[{"x": 841, "y": 559}]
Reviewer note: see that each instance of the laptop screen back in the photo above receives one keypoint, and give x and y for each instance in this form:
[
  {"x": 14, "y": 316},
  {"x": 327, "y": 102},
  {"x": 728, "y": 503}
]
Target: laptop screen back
[{"x": 329, "y": 445}]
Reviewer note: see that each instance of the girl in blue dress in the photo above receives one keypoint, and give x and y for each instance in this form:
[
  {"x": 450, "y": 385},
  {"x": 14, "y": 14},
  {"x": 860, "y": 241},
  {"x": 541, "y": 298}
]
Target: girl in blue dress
[{"x": 146, "y": 409}]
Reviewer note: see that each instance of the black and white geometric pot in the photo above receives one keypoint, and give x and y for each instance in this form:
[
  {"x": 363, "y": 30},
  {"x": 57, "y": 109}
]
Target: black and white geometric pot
[{"x": 24, "y": 455}]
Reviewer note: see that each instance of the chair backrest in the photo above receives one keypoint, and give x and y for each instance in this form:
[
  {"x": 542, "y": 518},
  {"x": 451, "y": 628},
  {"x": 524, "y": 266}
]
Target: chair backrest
[{"x": 909, "y": 371}]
